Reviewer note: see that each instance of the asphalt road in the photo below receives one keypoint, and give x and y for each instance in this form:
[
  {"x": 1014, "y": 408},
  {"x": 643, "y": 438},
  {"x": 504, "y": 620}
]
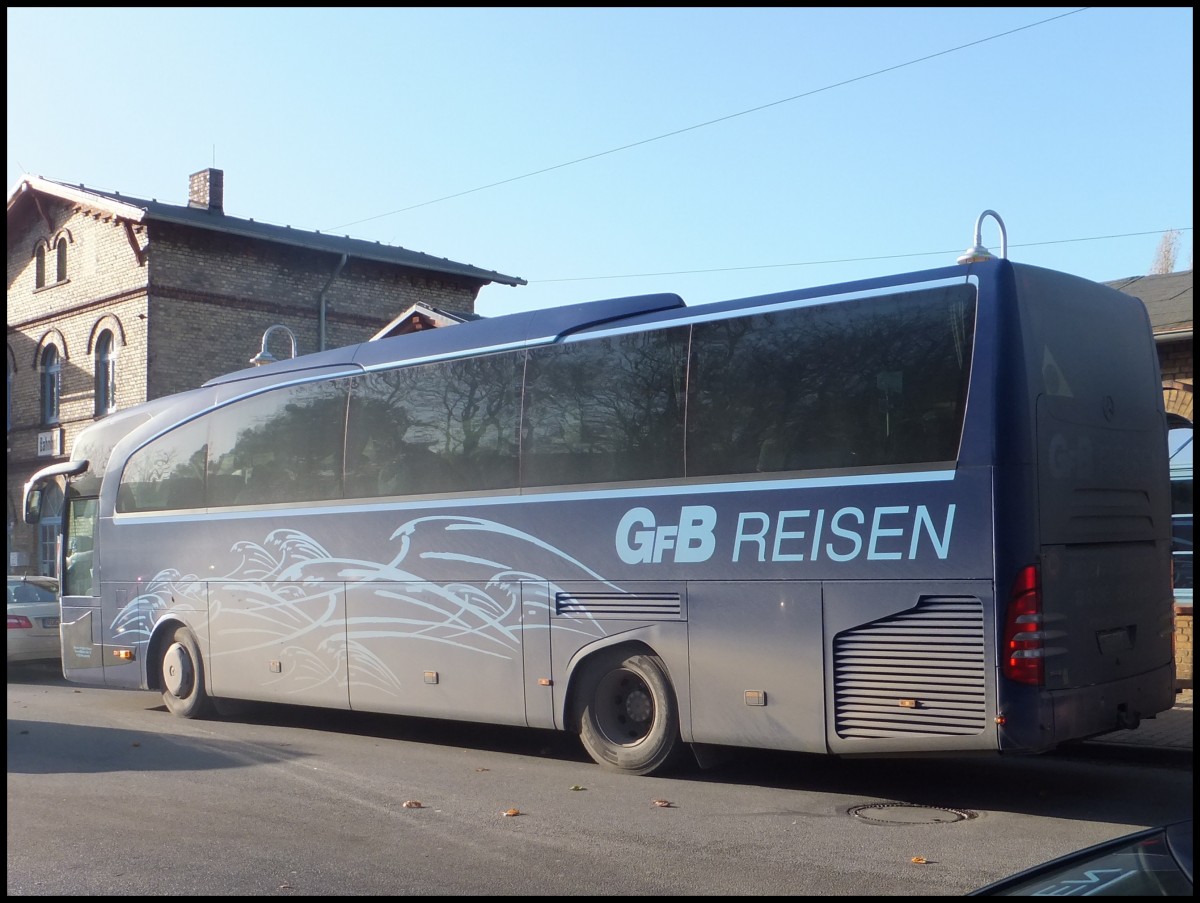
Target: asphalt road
[{"x": 109, "y": 794}]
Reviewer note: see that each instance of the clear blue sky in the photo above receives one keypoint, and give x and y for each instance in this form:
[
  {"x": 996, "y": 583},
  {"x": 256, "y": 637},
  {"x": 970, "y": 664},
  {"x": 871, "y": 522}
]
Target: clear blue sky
[{"x": 711, "y": 152}]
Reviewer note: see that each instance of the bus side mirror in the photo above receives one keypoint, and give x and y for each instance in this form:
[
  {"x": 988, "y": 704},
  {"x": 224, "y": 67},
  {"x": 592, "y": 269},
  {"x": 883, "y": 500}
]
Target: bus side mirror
[
  {"x": 33, "y": 506},
  {"x": 53, "y": 479}
]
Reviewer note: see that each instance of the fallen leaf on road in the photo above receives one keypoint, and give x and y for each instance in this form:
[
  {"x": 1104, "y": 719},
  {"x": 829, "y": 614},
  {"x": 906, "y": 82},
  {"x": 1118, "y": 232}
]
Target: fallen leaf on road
[
  {"x": 919, "y": 860},
  {"x": 578, "y": 787},
  {"x": 510, "y": 812}
]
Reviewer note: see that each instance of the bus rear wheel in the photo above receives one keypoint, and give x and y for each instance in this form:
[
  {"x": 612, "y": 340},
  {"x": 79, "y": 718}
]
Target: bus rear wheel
[
  {"x": 182, "y": 677},
  {"x": 626, "y": 713}
]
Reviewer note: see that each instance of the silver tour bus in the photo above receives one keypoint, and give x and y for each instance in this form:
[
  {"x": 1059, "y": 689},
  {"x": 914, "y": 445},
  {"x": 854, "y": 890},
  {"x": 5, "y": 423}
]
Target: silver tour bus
[{"x": 925, "y": 514}]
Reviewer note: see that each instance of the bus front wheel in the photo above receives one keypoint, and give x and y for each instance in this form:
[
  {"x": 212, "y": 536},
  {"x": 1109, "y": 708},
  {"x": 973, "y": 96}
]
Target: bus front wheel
[
  {"x": 183, "y": 677},
  {"x": 626, "y": 713}
]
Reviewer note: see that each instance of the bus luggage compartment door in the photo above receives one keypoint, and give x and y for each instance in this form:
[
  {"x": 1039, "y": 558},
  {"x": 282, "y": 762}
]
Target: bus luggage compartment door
[
  {"x": 276, "y": 641},
  {"x": 756, "y": 664},
  {"x": 436, "y": 650}
]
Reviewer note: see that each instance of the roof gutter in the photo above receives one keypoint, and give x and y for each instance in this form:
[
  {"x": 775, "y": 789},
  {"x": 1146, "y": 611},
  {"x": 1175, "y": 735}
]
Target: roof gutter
[{"x": 1172, "y": 335}]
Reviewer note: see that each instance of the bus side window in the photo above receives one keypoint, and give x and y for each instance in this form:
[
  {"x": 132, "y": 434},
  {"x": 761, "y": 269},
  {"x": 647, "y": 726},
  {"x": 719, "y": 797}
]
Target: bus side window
[
  {"x": 185, "y": 492},
  {"x": 223, "y": 488},
  {"x": 375, "y": 458},
  {"x": 126, "y": 503}
]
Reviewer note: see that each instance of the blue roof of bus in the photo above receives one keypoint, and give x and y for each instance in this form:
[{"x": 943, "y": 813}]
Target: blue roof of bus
[
  {"x": 553, "y": 324},
  {"x": 509, "y": 331}
]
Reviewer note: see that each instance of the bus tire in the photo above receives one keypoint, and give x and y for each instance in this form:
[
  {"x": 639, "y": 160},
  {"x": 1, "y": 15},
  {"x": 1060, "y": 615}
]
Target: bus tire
[
  {"x": 626, "y": 713},
  {"x": 182, "y": 677}
]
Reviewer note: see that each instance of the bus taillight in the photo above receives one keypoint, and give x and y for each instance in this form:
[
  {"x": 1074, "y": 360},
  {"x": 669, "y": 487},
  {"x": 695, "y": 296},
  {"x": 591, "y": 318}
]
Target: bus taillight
[{"x": 1023, "y": 634}]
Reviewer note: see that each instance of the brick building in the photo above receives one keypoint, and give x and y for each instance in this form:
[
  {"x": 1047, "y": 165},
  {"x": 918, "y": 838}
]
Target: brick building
[
  {"x": 113, "y": 300},
  {"x": 1168, "y": 300}
]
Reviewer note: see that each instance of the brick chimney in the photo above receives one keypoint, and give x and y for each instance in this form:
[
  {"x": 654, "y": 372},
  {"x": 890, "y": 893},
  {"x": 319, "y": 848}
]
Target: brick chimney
[{"x": 206, "y": 190}]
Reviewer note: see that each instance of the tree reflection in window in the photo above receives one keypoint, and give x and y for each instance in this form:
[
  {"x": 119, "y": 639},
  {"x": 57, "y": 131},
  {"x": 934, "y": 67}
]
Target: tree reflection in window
[
  {"x": 870, "y": 383},
  {"x": 166, "y": 474},
  {"x": 866, "y": 383},
  {"x": 434, "y": 428},
  {"x": 282, "y": 446},
  {"x": 605, "y": 410}
]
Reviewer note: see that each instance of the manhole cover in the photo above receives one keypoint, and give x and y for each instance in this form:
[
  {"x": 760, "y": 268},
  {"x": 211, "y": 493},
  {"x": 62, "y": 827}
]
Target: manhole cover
[{"x": 909, "y": 814}]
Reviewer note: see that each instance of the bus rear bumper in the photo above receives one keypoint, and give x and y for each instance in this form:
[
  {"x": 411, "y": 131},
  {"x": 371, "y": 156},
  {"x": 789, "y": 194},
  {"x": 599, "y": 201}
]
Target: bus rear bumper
[{"x": 1084, "y": 712}]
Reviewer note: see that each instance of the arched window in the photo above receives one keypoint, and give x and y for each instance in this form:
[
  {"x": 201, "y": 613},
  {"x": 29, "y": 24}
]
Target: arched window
[
  {"x": 106, "y": 374},
  {"x": 51, "y": 384},
  {"x": 39, "y": 257},
  {"x": 62, "y": 260}
]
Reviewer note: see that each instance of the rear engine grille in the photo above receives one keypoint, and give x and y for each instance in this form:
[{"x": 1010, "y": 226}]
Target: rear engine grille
[{"x": 920, "y": 673}]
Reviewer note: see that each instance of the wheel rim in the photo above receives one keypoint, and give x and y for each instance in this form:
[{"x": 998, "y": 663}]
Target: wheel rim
[
  {"x": 624, "y": 708},
  {"x": 178, "y": 671}
]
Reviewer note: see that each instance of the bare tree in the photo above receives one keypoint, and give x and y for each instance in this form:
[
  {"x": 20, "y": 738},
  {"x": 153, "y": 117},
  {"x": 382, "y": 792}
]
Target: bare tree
[{"x": 1164, "y": 257}]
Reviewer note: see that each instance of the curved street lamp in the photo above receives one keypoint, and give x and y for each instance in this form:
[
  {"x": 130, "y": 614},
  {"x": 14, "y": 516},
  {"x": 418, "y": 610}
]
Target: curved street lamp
[{"x": 264, "y": 356}]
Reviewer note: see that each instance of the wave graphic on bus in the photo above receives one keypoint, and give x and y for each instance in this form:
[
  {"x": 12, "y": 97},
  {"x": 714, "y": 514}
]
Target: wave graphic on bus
[{"x": 289, "y": 593}]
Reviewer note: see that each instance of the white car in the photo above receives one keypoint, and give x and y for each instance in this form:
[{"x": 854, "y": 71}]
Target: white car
[{"x": 34, "y": 612}]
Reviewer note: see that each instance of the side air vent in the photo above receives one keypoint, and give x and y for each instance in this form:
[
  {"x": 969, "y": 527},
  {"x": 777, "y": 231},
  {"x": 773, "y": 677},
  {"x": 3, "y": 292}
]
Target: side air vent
[
  {"x": 642, "y": 606},
  {"x": 920, "y": 673}
]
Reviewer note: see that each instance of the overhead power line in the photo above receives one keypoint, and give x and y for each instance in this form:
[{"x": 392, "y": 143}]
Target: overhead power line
[
  {"x": 700, "y": 125},
  {"x": 812, "y": 263}
]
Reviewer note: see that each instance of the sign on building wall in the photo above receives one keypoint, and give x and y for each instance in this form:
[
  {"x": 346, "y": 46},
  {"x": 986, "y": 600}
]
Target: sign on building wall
[{"x": 50, "y": 443}]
